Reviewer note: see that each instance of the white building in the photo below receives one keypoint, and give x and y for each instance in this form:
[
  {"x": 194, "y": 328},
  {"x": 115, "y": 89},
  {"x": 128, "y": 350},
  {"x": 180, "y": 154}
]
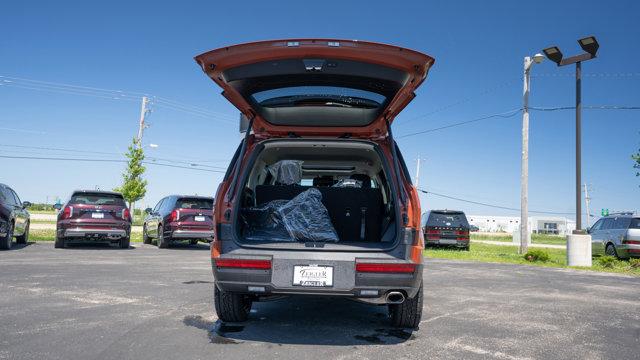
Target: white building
[{"x": 509, "y": 224}]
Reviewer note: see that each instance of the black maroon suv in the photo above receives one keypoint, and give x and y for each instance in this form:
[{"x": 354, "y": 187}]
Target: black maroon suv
[
  {"x": 179, "y": 218},
  {"x": 94, "y": 216}
]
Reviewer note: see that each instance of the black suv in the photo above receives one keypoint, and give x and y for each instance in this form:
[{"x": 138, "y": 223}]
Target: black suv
[
  {"x": 14, "y": 218},
  {"x": 446, "y": 227}
]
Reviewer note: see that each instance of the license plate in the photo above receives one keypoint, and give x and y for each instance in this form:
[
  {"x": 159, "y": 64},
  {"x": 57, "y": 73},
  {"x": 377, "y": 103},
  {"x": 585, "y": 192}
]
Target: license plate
[
  {"x": 312, "y": 275},
  {"x": 199, "y": 218},
  {"x": 448, "y": 241},
  {"x": 97, "y": 215}
]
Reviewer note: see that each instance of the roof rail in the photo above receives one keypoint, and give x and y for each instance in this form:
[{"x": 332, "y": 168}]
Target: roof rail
[{"x": 622, "y": 213}]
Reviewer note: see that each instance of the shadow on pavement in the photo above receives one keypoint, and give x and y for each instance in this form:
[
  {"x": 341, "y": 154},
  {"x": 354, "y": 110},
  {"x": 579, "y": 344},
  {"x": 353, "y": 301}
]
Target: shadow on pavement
[
  {"x": 308, "y": 321},
  {"x": 187, "y": 246}
]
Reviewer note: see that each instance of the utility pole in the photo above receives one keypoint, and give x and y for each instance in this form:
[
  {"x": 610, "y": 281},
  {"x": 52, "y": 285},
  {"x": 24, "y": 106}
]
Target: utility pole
[
  {"x": 418, "y": 172},
  {"x": 141, "y": 126},
  {"x": 143, "y": 115},
  {"x": 587, "y": 199},
  {"x": 524, "y": 175}
]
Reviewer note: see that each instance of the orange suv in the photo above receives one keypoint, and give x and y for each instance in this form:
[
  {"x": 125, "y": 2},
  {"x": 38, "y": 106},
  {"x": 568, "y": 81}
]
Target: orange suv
[{"x": 317, "y": 199}]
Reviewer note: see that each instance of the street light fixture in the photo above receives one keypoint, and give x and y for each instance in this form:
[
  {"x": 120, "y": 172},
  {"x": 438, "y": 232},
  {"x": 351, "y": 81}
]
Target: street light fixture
[
  {"x": 554, "y": 54},
  {"x": 590, "y": 45},
  {"x": 524, "y": 175}
]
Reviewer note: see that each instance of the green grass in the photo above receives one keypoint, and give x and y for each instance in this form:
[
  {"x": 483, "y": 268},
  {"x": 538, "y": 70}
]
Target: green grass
[
  {"x": 535, "y": 238},
  {"x": 509, "y": 254}
]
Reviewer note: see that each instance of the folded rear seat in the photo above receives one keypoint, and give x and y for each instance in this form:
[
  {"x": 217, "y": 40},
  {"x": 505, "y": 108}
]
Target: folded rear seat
[{"x": 356, "y": 213}]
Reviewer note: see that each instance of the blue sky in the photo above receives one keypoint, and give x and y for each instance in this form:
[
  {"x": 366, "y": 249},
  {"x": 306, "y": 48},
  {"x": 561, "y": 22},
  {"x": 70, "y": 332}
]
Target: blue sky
[{"x": 147, "y": 47}]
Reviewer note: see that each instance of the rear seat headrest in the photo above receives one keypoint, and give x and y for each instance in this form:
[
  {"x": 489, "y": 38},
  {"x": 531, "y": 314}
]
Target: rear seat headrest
[
  {"x": 287, "y": 172},
  {"x": 366, "y": 180}
]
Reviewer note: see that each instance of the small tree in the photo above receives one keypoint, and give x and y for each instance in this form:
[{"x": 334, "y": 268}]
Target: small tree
[{"x": 133, "y": 187}]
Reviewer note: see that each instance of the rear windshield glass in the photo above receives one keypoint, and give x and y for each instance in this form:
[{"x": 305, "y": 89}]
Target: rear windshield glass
[
  {"x": 635, "y": 223},
  {"x": 449, "y": 220},
  {"x": 318, "y": 95},
  {"x": 97, "y": 199},
  {"x": 195, "y": 203}
]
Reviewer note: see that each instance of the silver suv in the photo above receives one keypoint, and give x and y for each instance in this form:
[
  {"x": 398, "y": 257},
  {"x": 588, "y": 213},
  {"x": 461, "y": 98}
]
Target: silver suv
[{"x": 616, "y": 235}]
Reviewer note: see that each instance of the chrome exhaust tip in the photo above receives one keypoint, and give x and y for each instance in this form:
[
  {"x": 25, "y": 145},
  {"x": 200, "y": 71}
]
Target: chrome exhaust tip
[{"x": 394, "y": 297}]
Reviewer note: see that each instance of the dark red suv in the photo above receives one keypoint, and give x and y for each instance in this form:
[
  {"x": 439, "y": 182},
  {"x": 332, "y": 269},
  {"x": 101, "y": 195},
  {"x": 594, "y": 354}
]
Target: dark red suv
[
  {"x": 179, "y": 218},
  {"x": 94, "y": 216}
]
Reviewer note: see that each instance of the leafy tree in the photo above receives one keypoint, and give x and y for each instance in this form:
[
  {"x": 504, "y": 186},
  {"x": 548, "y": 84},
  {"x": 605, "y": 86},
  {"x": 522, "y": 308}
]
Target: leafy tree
[{"x": 133, "y": 187}]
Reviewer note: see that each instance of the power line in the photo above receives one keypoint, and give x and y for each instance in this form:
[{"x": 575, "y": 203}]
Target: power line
[
  {"x": 152, "y": 158},
  {"x": 104, "y": 160},
  {"x": 110, "y": 94},
  {"x": 511, "y": 113},
  {"x": 506, "y": 114},
  {"x": 493, "y": 205},
  {"x": 459, "y": 102}
]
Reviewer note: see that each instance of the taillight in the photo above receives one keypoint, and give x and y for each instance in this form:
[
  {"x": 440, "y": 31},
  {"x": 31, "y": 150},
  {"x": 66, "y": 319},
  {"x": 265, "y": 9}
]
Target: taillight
[
  {"x": 243, "y": 264},
  {"x": 462, "y": 234},
  {"x": 385, "y": 267},
  {"x": 631, "y": 242},
  {"x": 174, "y": 216},
  {"x": 67, "y": 212},
  {"x": 432, "y": 234},
  {"x": 126, "y": 215}
]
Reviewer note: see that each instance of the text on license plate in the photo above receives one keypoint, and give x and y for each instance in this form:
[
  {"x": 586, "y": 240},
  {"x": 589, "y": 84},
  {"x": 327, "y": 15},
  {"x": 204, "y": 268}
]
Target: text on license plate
[
  {"x": 97, "y": 215},
  {"x": 199, "y": 218},
  {"x": 312, "y": 275}
]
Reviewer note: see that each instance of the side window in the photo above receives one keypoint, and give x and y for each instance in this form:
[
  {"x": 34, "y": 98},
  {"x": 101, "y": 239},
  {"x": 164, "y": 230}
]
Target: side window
[
  {"x": 8, "y": 196},
  {"x": 608, "y": 224},
  {"x": 621, "y": 223},
  {"x": 598, "y": 225},
  {"x": 17, "y": 199},
  {"x": 233, "y": 161},
  {"x": 3, "y": 195},
  {"x": 403, "y": 165},
  {"x": 158, "y": 205},
  {"x": 168, "y": 203}
]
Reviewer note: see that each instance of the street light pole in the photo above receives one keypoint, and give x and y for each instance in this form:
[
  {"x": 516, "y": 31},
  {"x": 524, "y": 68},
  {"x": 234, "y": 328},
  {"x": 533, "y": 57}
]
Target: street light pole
[
  {"x": 524, "y": 175},
  {"x": 590, "y": 46},
  {"x": 578, "y": 145}
]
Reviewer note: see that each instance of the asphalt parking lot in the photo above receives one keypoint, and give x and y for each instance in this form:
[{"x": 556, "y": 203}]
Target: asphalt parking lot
[{"x": 146, "y": 303}]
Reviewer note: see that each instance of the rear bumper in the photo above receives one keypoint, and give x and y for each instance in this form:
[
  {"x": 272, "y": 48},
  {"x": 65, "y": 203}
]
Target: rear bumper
[
  {"x": 627, "y": 250},
  {"x": 447, "y": 242},
  {"x": 192, "y": 234},
  {"x": 366, "y": 287},
  {"x": 80, "y": 232}
]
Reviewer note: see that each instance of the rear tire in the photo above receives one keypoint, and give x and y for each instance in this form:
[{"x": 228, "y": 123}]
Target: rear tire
[
  {"x": 611, "y": 251},
  {"x": 24, "y": 238},
  {"x": 5, "y": 242},
  {"x": 59, "y": 244},
  {"x": 125, "y": 242},
  {"x": 230, "y": 306},
  {"x": 163, "y": 242},
  {"x": 407, "y": 314},
  {"x": 145, "y": 237}
]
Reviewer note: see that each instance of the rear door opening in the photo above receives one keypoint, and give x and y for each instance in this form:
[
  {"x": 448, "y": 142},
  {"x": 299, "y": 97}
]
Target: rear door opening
[{"x": 326, "y": 194}]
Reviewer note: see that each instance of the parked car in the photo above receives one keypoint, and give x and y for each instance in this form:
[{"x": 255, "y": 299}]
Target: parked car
[
  {"x": 92, "y": 216},
  {"x": 446, "y": 227},
  {"x": 317, "y": 199},
  {"x": 14, "y": 218},
  {"x": 473, "y": 228},
  {"x": 616, "y": 235},
  {"x": 179, "y": 218}
]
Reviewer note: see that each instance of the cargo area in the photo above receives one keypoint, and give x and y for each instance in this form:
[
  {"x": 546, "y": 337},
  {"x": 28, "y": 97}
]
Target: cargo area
[{"x": 329, "y": 192}]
